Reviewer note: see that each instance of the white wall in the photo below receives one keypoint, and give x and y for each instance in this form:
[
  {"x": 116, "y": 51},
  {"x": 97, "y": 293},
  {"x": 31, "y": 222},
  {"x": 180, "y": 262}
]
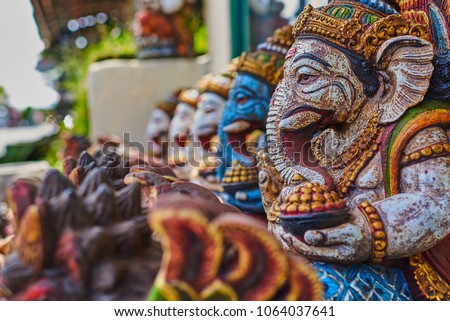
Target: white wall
[{"x": 122, "y": 93}]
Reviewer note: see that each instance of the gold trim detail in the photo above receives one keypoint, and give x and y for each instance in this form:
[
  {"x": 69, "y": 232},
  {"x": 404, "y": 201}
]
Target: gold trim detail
[
  {"x": 352, "y": 34},
  {"x": 219, "y": 84},
  {"x": 256, "y": 64},
  {"x": 427, "y": 152},
  {"x": 351, "y": 172},
  {"x": 379, "y": 241},
  {"x": 428, "y": 280}
]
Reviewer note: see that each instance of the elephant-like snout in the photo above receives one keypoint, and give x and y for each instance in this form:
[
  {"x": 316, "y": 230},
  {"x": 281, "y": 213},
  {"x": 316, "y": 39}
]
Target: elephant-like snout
[{"x": 302, "y": 117}]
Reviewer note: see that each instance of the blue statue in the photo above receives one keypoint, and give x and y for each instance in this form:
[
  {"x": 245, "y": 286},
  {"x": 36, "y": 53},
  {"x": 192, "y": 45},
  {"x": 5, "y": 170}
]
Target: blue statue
[{"x": 243, "y": 123}]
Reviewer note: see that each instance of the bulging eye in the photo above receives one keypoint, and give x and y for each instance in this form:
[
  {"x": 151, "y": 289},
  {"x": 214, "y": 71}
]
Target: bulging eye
[
  {"x": 306, "y": 78},
  {"x": 242, "y": 100}
]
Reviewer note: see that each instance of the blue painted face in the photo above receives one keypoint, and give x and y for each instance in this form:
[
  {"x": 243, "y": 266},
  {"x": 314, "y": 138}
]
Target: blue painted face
[
  {"x": 245, "y": 111},
  {"x": 248, "y": 100}
]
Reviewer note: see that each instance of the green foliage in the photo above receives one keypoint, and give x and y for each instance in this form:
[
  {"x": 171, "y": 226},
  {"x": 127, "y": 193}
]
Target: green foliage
[{"x": 73, "y": 63}]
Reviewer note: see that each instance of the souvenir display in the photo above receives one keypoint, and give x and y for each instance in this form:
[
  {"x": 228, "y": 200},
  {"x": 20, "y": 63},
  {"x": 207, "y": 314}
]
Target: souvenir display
[
  {"x": 158, "y": 125},
  {"x": 358, "y": 140},
  {"x": 316, "y": 168},
  {"x": 160, "y": 29},
  {"x": 213, "y": 89},
  {"x": 241, "y": 128},
  {"x": 179, "y": 131}
]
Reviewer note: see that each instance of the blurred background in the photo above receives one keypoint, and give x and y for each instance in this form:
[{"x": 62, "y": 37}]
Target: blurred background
[{"x": 69, "y": 73}]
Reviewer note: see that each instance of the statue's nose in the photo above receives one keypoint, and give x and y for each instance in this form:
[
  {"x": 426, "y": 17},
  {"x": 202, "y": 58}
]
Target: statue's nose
[{"x": 299, "y": 120}]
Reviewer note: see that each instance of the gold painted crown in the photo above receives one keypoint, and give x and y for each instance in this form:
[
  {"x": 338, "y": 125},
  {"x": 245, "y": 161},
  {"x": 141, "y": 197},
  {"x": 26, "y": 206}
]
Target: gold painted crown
[
  {"x": 189, "y": 96},
  {"x": 356, "y": 27},
  {"x": 268, "y": 60},
  {"x": 169, "y": 104},
  {"x": 219, "y": 84}
]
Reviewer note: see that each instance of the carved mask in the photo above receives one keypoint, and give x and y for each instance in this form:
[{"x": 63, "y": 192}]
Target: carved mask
[
  {"x": 182, "y": 120},
  {"x": 209, "y": 111},
  {"x": 157, "y": 129}
]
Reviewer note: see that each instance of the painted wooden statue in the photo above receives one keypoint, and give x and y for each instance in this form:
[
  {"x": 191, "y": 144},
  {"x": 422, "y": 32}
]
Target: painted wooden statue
[
  {"x": 244, "y": 118},
  {"x": 158, "y": 125},
  {"x": 357, "y": 172},
  {"x": 214, "y": 89},
  {"x": 179, "y": 131},
  {"x": 160, "y": 29}
]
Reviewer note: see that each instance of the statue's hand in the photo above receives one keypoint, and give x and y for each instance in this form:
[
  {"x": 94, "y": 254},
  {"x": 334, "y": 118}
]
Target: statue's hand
[{"x": 346, "y": 243}]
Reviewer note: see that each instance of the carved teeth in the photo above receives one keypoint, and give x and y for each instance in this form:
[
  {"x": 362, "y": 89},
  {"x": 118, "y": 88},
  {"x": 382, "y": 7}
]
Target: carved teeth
[
  {"x": 237, "y": 127},
  {"x": 299, "y": 121}
]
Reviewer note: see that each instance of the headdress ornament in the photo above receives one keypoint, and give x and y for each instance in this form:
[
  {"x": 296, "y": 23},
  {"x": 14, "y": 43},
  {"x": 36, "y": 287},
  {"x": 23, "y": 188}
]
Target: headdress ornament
[
  {"x": 189, "y": 96},
  {"x": 268, "y": 60},
  {"x": 219, "y": 84},
  {"x": 169, "y": 104},
  {"x": 359, "y": 26}
]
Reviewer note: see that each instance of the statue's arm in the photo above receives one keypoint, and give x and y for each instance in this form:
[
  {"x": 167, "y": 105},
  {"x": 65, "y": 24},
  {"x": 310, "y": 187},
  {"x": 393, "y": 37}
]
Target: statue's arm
[
  {"x": 418, "y": 218},
  {"x": 414, "y": 220}
]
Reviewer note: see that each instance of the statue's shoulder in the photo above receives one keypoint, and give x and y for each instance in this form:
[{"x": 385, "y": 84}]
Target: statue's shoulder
[{"x": 428, "y": 114}]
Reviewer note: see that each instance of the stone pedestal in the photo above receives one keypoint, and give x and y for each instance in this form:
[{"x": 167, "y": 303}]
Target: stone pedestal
[{"x": 122, "y": 93}]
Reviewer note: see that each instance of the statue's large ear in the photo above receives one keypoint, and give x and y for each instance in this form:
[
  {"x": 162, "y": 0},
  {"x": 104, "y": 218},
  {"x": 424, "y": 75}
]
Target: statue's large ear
[{"x": 407, "y": 65}]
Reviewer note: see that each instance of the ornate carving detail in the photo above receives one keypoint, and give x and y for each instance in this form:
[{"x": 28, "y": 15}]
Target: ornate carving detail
[
  {"x": 352, "y": 34},
  {"x": 266, "y": 66},
  {"x": 268, "y": 61},
  {"x": 379, "y": 242},
  {"x": 435, "y": 150},
  {"x": 436, "y": 117},
  {"x": 367, "y": 139},
  {"x": 280, "y": 42},
  {"x": 429, "y": 281},
  {"x": 365, "y": 151},
  {"x": 219, "y": 84}
]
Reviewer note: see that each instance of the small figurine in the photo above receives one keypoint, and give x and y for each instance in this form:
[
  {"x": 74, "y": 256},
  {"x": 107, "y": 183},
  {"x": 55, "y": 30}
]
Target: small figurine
[
  {"x": 242, "y": 126},
  {"x": 179, "y": 132},
  {"x": 158, "y": 125},
  {"x": 359, "y": 127},
  {"x": 85, "y": 243},
  {"x": 160, "y": 30},
  {"x": 213, "y": 90}
]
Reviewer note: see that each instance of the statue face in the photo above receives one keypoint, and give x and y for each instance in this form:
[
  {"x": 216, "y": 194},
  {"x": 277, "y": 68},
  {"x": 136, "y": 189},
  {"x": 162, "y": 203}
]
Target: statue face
[
  {"x": 209, "y": 111},
  {"x": 245, "y": 111},
  {"x": 157, "y": 129},
  {"x": 181, "y": 122},
  {"x": 320, "y": 85}
]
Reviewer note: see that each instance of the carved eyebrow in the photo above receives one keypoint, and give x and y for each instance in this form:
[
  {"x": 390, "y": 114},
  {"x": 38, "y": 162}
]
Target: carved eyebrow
[
  {"x": 248, "y": 89},
  {"x": 312, "y": 57}
]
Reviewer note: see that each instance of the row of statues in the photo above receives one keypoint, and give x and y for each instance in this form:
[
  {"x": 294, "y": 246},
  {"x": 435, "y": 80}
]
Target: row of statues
[{"x": 316, "y": 167}]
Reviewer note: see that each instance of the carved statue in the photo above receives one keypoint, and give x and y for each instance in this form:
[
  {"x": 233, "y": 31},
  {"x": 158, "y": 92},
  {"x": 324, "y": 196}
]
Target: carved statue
[
  {"x": 179, "y": 132},
  {"x": 359, "y": 127},
  {"x": 244, "y": 119},
  {"x": 213, "y": 90},
  {"x": 158, "y": 125},
  {"x": 160, "y": 30},
  {"x": 236, "y": 258}
]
